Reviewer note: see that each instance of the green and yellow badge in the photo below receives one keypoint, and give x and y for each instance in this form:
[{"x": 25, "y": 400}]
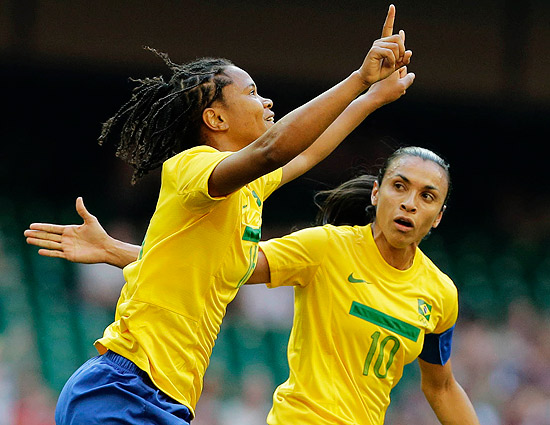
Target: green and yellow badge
[{"x": 425, "y": 311}]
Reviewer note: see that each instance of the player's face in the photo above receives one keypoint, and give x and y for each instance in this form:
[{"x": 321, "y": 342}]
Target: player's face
[
  {"x": 409, "y": 202},
  {"x": 247, "y": 114}
]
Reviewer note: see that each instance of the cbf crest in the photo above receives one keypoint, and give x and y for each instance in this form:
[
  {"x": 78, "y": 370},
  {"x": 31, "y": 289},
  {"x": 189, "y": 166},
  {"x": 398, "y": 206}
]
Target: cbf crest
[{"x": 424, "y": 312}]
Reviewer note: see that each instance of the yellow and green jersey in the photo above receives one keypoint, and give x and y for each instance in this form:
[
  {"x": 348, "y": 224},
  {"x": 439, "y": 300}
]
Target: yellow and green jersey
[
  {"x": 197, "y": 252},
  {"x": 357, "y": 322}
]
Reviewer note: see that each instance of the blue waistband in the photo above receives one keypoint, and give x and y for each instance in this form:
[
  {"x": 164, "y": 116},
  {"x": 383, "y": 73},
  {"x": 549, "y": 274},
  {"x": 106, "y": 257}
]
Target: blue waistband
[{"x": 124, "y": 363}]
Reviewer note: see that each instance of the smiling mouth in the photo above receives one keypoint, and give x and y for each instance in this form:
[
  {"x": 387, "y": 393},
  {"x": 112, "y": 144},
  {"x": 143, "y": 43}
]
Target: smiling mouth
[{"x": 270, "y": 119}]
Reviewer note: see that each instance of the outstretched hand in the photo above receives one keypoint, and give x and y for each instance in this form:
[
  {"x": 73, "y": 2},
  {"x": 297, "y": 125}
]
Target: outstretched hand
[
  {"x": 83, "y": 243},
  {"x": 387, "y": 54}
]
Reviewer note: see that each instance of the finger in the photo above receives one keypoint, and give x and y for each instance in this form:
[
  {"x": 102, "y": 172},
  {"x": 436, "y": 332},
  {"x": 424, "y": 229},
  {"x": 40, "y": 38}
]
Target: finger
[
  {"x": 46, "y": 227},
  {"x": 387, "y": 29},
  {"x": 398, "y": 43},
  {"x": 81, "y": 209},
  {"x": 405, "y": 60},
  {"x": 402, "y": 71},
  {"x": 42, "y": 243},
  {"x": 408, "y": 79},
  {"x": 54, "y": 254},
  {"x": 36, "y": 234},
  {"x": 83, "y": 212},
  {"x": 382, "y": 54},
  {"x": 395, "y": 47},
  {"x": 401, "y": 43}
]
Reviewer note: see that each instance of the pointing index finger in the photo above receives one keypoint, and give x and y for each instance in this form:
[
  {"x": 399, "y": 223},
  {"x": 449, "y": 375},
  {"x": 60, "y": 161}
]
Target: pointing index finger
[{"x": 387, "y": 29}]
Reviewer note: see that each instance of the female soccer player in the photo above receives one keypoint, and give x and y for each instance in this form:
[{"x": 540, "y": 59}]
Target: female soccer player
[
  {"x": 202, "y": 241},
  {"x": 367, "y": 300}
]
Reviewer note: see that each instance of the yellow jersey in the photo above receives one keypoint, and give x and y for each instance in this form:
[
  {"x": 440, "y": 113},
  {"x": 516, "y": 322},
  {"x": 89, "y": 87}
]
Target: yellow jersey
[
  {"x": 197, "y": 252},
  {"x": 357, "y": 322}
]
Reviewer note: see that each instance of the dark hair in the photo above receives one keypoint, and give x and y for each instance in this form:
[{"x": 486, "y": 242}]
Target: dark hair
[
  {"x": 350, "y": 203},
  {"x": 347, "y": 204},
  {"x": 162, "y": 119}
]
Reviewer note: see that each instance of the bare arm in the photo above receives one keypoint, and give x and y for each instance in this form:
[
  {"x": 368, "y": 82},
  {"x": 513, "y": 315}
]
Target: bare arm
[
  {"x": 299, "y": 129},
  {"x": 378, "y": 95},
  {"x": 446, "y": 397},
  {"x": 86, "y": 243},
  {"x": 262, "y": 273}
]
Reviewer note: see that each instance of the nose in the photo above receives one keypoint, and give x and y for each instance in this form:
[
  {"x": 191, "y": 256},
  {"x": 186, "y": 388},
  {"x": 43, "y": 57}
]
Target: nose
[
  {"x": 408, "y": 204},
  {"x": 268, "y": 103}
]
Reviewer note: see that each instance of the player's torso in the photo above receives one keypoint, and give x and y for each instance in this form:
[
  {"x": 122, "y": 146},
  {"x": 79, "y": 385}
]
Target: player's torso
[{"x": 364, "y": 323}]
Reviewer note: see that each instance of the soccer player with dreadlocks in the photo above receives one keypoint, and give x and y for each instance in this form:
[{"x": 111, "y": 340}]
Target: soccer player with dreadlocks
[{"x": 222, "y": 155}]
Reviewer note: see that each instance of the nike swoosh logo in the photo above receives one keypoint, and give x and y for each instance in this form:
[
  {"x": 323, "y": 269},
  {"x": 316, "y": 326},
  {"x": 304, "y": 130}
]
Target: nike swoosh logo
[{"x": 354, "y": 280}]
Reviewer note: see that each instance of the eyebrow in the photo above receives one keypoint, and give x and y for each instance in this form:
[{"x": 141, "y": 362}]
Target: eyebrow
[{"x": 406, "y": 180}]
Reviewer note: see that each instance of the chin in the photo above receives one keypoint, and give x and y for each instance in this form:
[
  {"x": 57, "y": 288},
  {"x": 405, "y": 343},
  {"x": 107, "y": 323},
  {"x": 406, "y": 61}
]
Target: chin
[{"x": 402, "y": 241}]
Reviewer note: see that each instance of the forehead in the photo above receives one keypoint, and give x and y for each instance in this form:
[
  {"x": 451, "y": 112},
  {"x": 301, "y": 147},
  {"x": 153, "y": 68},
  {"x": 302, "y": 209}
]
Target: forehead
[
  {"x": 419, "y": 171},
  {"x": 239, "y": 77}
]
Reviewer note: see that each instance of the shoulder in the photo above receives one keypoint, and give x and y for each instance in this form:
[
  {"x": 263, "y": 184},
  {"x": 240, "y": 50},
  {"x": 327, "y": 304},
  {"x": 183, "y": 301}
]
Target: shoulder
[
  {"x": 441, "y": 281},
  {"x": 343, "y": 232},
  {"x": 193, "y": 165},
  {"x": 331, "y": 233},
  {"x": 192, "y": 153}
]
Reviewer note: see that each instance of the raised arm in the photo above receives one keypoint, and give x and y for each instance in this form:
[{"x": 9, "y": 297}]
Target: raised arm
[
  {"x": 378, "y": 95},
  {"x": 299, "y": 129},
  {"x": 86, "y": 243},
  {"x": 446, "y": 397}
]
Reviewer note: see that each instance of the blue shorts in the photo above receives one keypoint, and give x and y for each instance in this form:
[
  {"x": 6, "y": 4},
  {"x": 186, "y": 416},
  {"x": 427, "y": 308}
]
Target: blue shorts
[{"x": 109, "y": 390}]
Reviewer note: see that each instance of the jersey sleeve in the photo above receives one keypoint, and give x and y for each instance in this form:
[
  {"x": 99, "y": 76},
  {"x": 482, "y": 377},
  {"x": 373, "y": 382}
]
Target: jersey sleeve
[
  {"x": 294, "y": 259},
  {"x": 271, "y": 182},
  {"x": 192, "y": 173},
  {"x": 438, "y": 344}
]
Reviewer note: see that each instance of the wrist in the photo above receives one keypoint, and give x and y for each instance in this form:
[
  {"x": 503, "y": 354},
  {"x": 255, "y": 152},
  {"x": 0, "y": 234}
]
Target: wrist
[
  {"x": 120, "y": 254},
  {"x": 363, "y": 83},
  {"x": 374, "y": 100},
  {"x": 110, "y": 251}
]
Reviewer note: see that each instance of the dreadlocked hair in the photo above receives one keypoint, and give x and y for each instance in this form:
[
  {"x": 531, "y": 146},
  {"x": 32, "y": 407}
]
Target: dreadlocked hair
[
  {"x": 347, "y": 204},
  {"x": 162, "y": 119}
]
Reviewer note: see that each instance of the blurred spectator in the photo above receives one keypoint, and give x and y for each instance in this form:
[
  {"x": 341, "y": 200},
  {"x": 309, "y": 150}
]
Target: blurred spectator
[
  {"x": 266, "y": 308},
  {"x": 7, "y": 389},
  {"x": 209, "y": 408},
  {"x": 36, "y": 403},
  {"x": 251, "y": 405}
]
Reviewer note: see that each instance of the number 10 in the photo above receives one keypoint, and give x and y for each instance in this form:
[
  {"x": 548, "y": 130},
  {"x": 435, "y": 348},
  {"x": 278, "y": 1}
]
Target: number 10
[{"x": 372, "y": 350}]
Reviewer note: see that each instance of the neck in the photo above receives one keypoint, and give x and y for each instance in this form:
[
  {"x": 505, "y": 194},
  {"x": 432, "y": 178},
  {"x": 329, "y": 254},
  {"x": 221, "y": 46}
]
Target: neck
[
  {"x": 399, "y": 258},
  {"x": 220, "y": 141}
]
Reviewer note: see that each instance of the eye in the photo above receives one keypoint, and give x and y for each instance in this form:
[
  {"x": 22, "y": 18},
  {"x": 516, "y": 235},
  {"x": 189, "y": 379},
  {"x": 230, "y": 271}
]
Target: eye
[
  {"x": 399, "y": 185},
  {"x": 427, "y": 196}
]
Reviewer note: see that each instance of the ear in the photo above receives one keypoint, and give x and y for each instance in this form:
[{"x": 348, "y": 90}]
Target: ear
[
  {"x": 214, "y": 120},
  {"x": 439, "y": 217},
  {"x": 374, "y": 194}
]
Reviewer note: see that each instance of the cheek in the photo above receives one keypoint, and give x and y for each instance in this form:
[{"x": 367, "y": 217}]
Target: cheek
[{"x": 433, "y": 220}]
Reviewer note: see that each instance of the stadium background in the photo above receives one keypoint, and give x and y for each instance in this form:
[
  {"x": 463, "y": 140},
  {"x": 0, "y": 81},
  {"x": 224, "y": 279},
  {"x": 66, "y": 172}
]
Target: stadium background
[{"x": 481, "y": 99}]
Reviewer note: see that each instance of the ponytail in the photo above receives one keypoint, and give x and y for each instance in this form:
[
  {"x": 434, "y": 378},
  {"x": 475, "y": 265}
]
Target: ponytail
[{"x": 347, "y": 204}]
